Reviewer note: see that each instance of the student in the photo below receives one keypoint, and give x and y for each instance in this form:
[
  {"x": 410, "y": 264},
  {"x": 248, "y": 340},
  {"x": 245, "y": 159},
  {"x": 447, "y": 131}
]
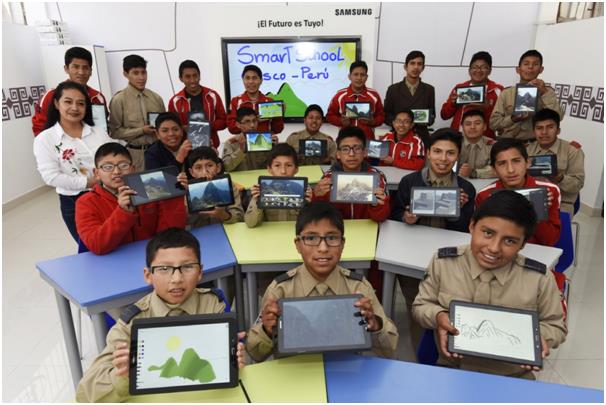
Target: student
[
  {"x": 105, "y": 216},
  {"x": 78, "y": 67},
  {"x": 235, "y": 155},
  {"x": 320, "y": 241},
  {"x": 406, "y": 149},
  {"x": 171, "y": 149},
  {"x": 313, "y": 121},
  {"x": 173, "y": 268},
  {"x": 519, "y": 126},
  {"x": 509, "y": 160},
  {"x": 195, "y": 97},
  {"x": 351, "y": 154},
  {"x": 570, "y": 157},
  {"x": 412, "y": 93},
  {"x": 490, "y": 270},
  {"x": 357, "y": 92},
  {"x": 479, "y": 70},
  {"x": 64, "y": 151},
  {"x": 475, "y": 152},
  {"x": 129, "y": 108},
  {"x": 252, "y": 77},
  {"x": 282, "y": 162}
]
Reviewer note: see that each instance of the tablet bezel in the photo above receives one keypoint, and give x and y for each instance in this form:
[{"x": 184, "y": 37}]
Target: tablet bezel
[
  {"x": 197, "y": 181},
  {"x": 481, "y": 101},
  {"x": 262, "y": 205},
  {"x": 172, "y": 170},
  {"x": 280, "y": 102},
  {"x": 247, "y": 135},
  {"x": 323, "y": 148},
  {"x": 384, "y": 148},
  {"x": 554, "y": 166},
  {"x": 335, "y": 182},
  {"x": 434, "y": 189}
]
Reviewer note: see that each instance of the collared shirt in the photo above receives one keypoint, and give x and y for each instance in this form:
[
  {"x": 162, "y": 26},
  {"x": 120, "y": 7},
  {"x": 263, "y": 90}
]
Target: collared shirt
[
  {"x": 477, "y": 156},
  {"x": 439, "y": 181},
  {"x": 65, "y": 162},
  {"x": 411, "y": 87},
  {"x": 331, "y": 148}
]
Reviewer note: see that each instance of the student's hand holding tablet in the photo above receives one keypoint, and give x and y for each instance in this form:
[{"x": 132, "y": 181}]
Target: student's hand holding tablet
[
  {"x": 124, "y": 202},
  {"x": 464, "y": 171},
  {"x": 182, "y": 179},
  {"x": 149, "y": 130},
  {"x": 388, "y": 160},
  {"x": 121, "y": 358},
  {"x": 540, "y": 84},
  {"x": 444, "y": 328},
  {"x": 463, "y": 198},
  {"x": 544, "y": 353},
  {"x": 240, "y": 353},
  {"x": 323, "y": 186},
  {"x": 274, "y": 138},
  {"x": 309, "y": 193},
  {"x": 183, "y": 151},
  {"x": 373, "y": 323},
  {"x": 409, "y": 217},
  {"x": 380, "y": 194},
  {"x": 270, "y": 314}
]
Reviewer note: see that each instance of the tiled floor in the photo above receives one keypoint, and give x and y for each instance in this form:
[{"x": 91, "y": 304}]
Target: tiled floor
[{"x": 34, "y": 362}]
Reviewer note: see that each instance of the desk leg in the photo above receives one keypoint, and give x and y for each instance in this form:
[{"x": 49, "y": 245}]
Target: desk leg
[
  {"x": 69, "y": 334},
  {"x": 251, "y": 289},
  {"x": 388, "y": 284},
  {"x": 222, "y": 284},
  {"x": 100, "y": 328},
  {"x": 239, "y": 297}
]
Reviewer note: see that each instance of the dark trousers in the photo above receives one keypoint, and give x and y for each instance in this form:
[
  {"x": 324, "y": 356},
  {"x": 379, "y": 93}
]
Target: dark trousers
[{"x": 68, "y": 212}]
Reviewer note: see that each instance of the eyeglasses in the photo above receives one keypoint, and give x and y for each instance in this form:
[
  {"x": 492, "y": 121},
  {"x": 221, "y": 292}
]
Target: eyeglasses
[
  {"x": 402, "y": 122},
  {"x": 185, "y": 269},
  {"x": 348, "y": 149},
  {"x": 315, "y": 240},
  {"x": 109, "y": 167},
  {"x": 483, "y": 67}
]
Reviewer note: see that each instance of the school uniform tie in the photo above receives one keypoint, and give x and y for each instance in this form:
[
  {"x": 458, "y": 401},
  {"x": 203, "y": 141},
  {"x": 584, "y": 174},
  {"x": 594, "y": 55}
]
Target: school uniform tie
[
  {"x": 175, "y": 312},
  {"x": 472, "y": 155},
  {"x": 321, "y": 288},
  {"x": 143, "y": 108},
  {"x": 482, "y": 295}
]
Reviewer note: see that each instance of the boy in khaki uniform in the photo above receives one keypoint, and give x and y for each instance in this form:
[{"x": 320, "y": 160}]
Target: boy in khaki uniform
[
  {"x": 320, "y": 241},
  {"x": 475, "y": 152},
  {"x": 174, "y": 270},
  {"x": 490, "y": 270},
  {"x": 313, "y": 121},
  {"x": 570, "y": 157}
]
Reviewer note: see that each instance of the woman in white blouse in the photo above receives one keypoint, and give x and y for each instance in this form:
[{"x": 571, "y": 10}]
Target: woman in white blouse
[{"x": 65, "y": 150}]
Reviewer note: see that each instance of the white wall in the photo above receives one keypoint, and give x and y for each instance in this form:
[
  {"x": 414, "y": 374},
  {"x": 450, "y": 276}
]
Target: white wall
[{"x": 574, "y": 53}]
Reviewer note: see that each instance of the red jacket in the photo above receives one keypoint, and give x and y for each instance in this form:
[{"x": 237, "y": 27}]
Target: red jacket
[
  {"x": 449, "y": 109},
  {"x": 407, "y": 153},
  {"x": 336, "y": 108},
  {"x": 103, "y": 225},
  {"x": 41, "y": 108},
  {"x": 213, "y": 109},
  {"x": 274, "y": 125},
  {"x": 547, "y": 232},
  {"x": 378, "y": 213}
]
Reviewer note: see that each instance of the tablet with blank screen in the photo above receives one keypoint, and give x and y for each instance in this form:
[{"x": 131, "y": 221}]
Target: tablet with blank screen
[
  {"x": 99, "y": 116},
  {"x": 154, "y": 185},
  {"x": 435, "y": 201},
  {"x": 321, "y": 324},
  {"x": 183, "y": 353},
  {"x": 494, "y": 332}
]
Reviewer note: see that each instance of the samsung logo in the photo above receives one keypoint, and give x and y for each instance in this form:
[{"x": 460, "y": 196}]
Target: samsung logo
[{"x": 353, "y": 11}]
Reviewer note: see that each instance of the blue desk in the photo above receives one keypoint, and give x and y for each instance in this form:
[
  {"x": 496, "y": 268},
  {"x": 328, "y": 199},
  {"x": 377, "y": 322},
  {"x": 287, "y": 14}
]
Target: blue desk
[
  {"x": 353, "y": 378},
  {"x": 98, "y": 283}
]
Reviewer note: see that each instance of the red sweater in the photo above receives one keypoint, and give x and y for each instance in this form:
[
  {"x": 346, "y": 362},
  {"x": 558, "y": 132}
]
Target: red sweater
[
  {"x": 547, "y": 232},
  {"x": 274, "y": 125},
  {"x": 378, "y": 213},
  {"x": 213, "y": 109},
  {"x": 103, "y": 225},
  {"x": 336, "y": 108},
  {"x": 408, "y": 152}
]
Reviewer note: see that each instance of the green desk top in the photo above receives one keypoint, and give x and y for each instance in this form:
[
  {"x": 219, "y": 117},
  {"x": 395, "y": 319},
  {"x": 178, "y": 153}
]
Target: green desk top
[
  {"x": 249, "y": 177},
  {"x": 273, "y": 242}
]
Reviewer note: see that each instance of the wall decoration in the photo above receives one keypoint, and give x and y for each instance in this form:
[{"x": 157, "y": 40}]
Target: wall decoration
[
  {"x": 20, "y": 101},
  {"x": 583, "y": 102}
]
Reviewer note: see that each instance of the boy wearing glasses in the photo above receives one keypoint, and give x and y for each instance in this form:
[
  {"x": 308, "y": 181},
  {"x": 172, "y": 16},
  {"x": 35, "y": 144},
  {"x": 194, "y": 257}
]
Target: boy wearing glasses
[
  {"x": 105, "y": 218},
  {"x": 173, "y": 268},
  {"x": 320, "y": 241}
]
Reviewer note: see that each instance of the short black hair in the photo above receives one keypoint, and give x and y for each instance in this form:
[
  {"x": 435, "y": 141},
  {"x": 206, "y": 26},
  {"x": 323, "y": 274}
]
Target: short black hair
[
  {"x": 531, "y": 52},
  {"x": 357, "y": 64},
  {"x": 317, "y": 211},
  {"x": 313, "y": 107},
  {"x": 504, "y": 144},
  {"x": 254, "y": 68},
  {"x": 188, "y": 64},
  {"x": 413, "y": 55},
  {"x": 282, "y": 149},
  {"x": 169, "y": 239},
  {"x": 167, "y": 116},
  {"x": 243, "y": 112},
  {"x": 202, "y": 153},
  {"x": 509, "y": 205},
  {"x": 351, "y": 132},
  {"x": 112, "y": 148},
  {"x": 482, "y": 55},
  {"x": 53, "y": 116},
  {"x": 133, "y": 61},
  {"x": 77, "y": 52},
  {"x": 446, "y": 134},
  {"x": 544, "y": 115},
  {"x": 473, "y": 113}
]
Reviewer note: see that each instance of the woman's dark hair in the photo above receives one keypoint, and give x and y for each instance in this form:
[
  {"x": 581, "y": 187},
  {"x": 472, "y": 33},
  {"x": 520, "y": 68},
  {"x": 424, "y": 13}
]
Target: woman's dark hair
[{"x": 52, "y": 117}]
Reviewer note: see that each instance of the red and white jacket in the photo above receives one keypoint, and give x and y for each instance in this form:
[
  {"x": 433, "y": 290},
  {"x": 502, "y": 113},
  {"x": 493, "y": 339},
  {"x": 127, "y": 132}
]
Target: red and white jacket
[
  {"x": 41, "y": 107},
  {"x": 547, "y": 232},
  {"x": 213, "y": 109},
  {"x": 407, "y": 153},
  {"x": 336, "y": 108},
  {"x": 274, "y": 125}
]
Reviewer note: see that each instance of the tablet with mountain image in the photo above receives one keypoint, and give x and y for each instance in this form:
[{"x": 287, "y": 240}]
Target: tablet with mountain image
[
  {"x": 469, "y": 95},
  {"x": 205, "y": 195},
  {"x": 282, "y": 192},
  {"x": 354, "y": 188},
  {"x": 258, "y": 141},
  {"x": 378, "y": 149},
  {"x": 313, "y": 147},
  {"x": 357, "y": 110},
  {"x": 271, "y": 109},
  {"x": 526, "y": 100},
  {"x": 543, "y": 165},
  {"x": 198, "y": 130},
  {"x": 154, "y": 185}
]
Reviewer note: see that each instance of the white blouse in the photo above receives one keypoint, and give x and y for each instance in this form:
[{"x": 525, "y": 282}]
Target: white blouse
[{"x": 65, "y": 162}]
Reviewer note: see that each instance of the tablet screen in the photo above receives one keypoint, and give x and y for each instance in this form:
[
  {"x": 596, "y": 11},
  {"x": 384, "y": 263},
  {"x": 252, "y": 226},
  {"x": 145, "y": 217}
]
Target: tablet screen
[
  {"x": 354, "y": 188},
  {"x": 208, "y": 194},
  {"x": 258, "y": 141},
  {"x": 282, "y": 192}
]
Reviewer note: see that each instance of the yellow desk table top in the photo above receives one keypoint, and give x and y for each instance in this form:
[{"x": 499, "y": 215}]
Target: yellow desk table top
[{"x": 249, "y": 177}]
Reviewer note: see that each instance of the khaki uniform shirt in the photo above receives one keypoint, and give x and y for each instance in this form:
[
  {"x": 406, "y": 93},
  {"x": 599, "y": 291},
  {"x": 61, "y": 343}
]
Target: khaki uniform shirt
[
  {"x": 255, "y": 216},
  {"x": 571, "y": 162},
  {"x": 515, "y": 285},
  {"x": 298, "y": 282},
  {"x": 331, "y": 148},
  {"x": 411, "y": 87},
  {"x": 197, "y": 220},
  {"x": 477, "y": 156},
  {"x": 100, "y": 383},
  {"x": 500, "y": 119},
  {"x": 235, "y": 159}
]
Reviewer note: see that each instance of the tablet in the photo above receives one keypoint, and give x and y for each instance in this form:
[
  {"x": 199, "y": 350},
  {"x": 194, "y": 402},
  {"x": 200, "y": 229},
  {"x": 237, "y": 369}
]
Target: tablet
[
  {"x": 99, "y": 117},
  {"x": 543, "y": 165},
  {"x": 469, "y": 95},
  {"x": 198, "y": 131},
  {"x": 183, "y": 353},
  {"x": 321, "y": 324},
  {"x": 538, "y": 197},
  {"x": 151, "y": 118},
  {"x": 357, "y": 110},
  {"x": 154, "y": 185},
  {"x": 258, "y": 141},
  {"x": 378, "y": 149},
  {"x": 497, "y": 333},
  {"x": 435, "y": 202},
  {"x": 313, "y": 147},
  {"x": 205, "y": 195},
  {"x": 421, "y": 116},
  {"x": 282, "y": 192},
  {"x": 354, "y": 188},
  {"x": 271, "y": 109},
  {"x": 527, "y": 98}
]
